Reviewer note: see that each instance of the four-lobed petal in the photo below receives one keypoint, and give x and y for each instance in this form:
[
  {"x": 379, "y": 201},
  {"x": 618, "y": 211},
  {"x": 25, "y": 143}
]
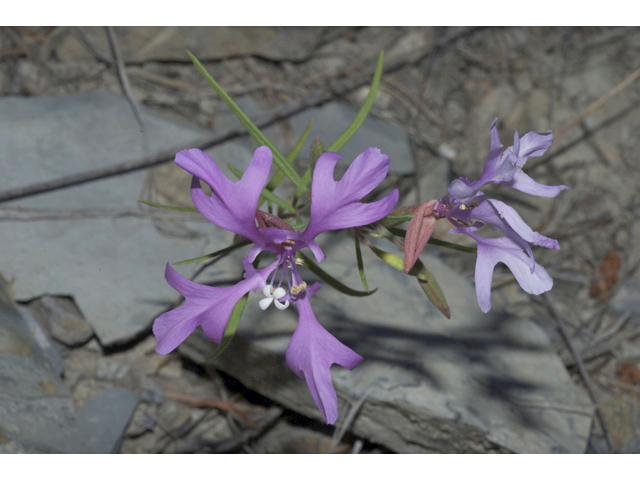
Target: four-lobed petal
[
  {"x": 337, "y": 204},
  {"x": 208, "y": 307},
  {"x": 311, "y": 352}
]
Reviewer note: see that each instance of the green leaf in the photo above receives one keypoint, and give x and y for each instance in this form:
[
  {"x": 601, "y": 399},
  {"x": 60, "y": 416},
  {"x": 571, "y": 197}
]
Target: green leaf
[
  {"x": 425, "y": 279},
  {"x": 306, "y": 178},
  {"x": 215, "y": 254},
  {"x": 293, "y": 154},
  {"x": 177, "y": 209},
  {"x": 435, "y": 241},
  {"x": 230, "y": 329},
  {"x": 254, "y": 131},
  {"x": 266, "y": 193},
  {"x": 331, "y": 281},
  {"x": 360, "y": 264},
  {"x": 350, "y": 131}
]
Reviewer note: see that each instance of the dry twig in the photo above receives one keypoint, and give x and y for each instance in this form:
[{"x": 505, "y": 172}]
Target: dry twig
[{"x": 583, "y": 371}]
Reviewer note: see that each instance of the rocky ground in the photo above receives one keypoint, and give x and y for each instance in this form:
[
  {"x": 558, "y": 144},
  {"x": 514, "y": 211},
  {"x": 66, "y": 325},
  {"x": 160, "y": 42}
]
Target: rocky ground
[{"x": 82, "y": 265}]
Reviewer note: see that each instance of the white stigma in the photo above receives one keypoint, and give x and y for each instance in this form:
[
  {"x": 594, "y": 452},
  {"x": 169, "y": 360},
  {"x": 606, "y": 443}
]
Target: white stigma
[{"x": 273, "y": 295}]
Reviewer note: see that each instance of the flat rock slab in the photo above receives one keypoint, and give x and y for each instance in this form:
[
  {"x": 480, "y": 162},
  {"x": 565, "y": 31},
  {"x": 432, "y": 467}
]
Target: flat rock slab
[
  {"x": 140, "y": 44},
  {"x": 36, "y": 409},
  {"x": 113, "y": 267},
  {"x": 474, "y": 383}
]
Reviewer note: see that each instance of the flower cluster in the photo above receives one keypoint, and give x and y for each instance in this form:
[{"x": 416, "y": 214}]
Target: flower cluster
[
  {"x": 233, "y": 207},
  {"x": 468, "y": 210}
]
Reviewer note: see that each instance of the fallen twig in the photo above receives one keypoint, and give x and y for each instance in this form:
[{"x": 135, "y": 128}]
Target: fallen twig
[
  {"x": 591, "y": 109},
  {"x": 583, "y": 371},
  {"x": 124, "y": 80},
  {"x": 20, "y": 214},
  {"x": 196, "y": 402}
]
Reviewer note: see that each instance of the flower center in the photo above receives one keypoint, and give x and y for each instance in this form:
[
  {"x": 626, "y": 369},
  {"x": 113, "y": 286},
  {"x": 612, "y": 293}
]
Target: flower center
[{"x": 289, "y": 270}]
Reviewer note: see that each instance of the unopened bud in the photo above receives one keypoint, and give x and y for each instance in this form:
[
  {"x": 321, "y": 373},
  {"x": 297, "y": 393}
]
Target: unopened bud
[{"x": 317, "y": 149}]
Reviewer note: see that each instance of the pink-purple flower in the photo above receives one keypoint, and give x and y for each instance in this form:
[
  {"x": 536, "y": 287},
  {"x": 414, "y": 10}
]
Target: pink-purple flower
[
  {"x": 233, "y": 206},
  {"x": 466, "y": 207}
]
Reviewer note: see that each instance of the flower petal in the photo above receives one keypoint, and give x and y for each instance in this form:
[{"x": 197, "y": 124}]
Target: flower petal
[
  {"x": 523, "y": 182},
  {"x": 209, "y": 307},
  {"x": 232, "y": 205},
  {"x": 503, "y": 249},
  {"x": 336, "y": 205},
  {"x": 311, "y": 353}
]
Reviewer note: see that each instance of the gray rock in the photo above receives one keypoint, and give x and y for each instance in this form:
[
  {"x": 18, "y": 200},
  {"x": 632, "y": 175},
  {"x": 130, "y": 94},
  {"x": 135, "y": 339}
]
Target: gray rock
[
  {"x": 151, "y": 392},
  {"x": 113, "y": 267},
  {"x": 474, "y": 383},
  {"x": 48, "y": 347},
  {"x": 104, "y": 419},
  {"x": 628, "y": 296},
  {"x": 109, "y": 370},
  {"x": 331, "y": 119},
  {"x": 34, "y": 401},
  {"x": 63, "y": 320},
  {"x": 36, "y": 409}
]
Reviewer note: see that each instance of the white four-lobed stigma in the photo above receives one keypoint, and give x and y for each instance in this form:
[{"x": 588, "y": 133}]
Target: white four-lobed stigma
[{"x": 273, "y": 295}]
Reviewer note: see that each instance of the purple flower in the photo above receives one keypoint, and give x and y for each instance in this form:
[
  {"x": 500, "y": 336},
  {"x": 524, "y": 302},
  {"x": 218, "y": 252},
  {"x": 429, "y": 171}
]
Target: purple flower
[
  {"x": 505, "y": 168},
  {"x": 468, "y": 210},
  {"x": 233, "y": 206}
]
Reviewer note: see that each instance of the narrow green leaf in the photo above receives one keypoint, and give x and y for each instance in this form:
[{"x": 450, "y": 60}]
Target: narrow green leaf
[
  {"x": 360, "y": 264},
  {"x": 435, "y": 241},
  {"x": 254, "y": 131},
  {"x": 329, "y": 280},
  {"x": 177, "y": 209},
  {"x": 431, "y": 288},
  {"x": 266, "y": 193},
  {"x": 230, "y": 329},
  {"x": 293, "y": 154},
  {"x": 215, "y": 254},
  {"x": 306, "y": 178},
  {"x": 425, "y": 279},
  {"x": 350, "y": 131}
]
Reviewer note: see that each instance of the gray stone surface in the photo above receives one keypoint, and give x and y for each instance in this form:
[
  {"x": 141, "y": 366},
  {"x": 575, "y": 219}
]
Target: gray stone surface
[
  {"x": 36, "y": 409},
  {"x": 39, "y": 334},
  {"x": 104, "y": 419},
  {"x": 474, "y": 383},
  {"x": 62, "y": 319},
  {"x": 113, "y": 267},
  {"x": 331, "y": 119},
  {"x": 207, "y": 43}
]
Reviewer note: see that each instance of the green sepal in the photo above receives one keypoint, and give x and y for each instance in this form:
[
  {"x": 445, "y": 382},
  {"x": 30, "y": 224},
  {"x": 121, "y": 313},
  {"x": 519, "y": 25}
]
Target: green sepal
[
  {"x": 355, "y": 125},
  {"x": 331, "y": 281},
  {"x": 363, "y": 277},
  {"x": 266, "y": 193},
  {"x": 177, "y": 209},
  {"x": 215, "y": 254},
  {"x": 425, "y": 279},
  {"x": 230, "y": 329},
  {"x": 254, "y": 131}
]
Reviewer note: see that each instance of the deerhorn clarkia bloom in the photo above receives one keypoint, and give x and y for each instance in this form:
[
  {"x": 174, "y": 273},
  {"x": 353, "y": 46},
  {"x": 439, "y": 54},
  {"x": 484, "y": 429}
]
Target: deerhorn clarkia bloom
[
  {"x": 233, "y": 206},
  {"x": 468, "y": 210}
]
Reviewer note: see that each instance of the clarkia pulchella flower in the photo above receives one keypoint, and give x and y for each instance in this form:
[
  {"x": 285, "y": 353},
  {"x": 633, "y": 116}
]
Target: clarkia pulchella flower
[
  {"x": 468, "y": 210},
  {"x": 233, "y": 206}
]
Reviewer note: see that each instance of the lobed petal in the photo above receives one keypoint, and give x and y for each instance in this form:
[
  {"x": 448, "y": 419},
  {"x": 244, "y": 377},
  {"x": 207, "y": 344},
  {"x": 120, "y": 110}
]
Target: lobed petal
[
  {"x": 336, "y": 204},
  {"x": 505, "y": 250},
  {"x": 311, "y": 353},
  {"x": 523, "y": 182},
  {"x": 232, "y": 205},
  {"x": 209, "y": 307}
]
